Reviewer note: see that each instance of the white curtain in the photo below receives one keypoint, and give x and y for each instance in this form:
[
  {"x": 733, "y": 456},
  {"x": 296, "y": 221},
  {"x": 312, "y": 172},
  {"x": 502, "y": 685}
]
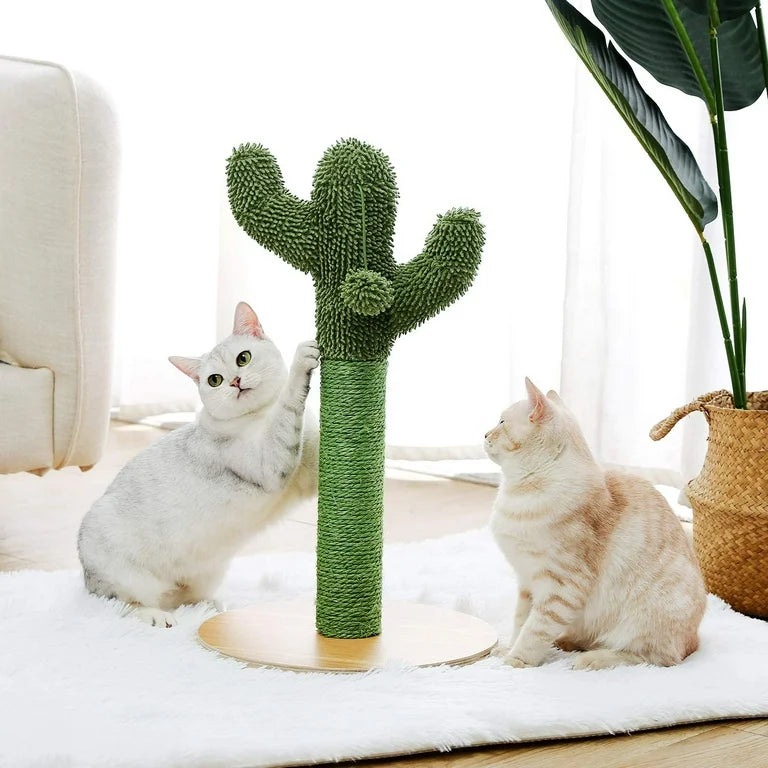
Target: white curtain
[
  {"x": 469, "y": 108},
  {"x": 640, "y": 330},
  {"x": 475, "y": 106},
  {"x": 471, "y": 114}
]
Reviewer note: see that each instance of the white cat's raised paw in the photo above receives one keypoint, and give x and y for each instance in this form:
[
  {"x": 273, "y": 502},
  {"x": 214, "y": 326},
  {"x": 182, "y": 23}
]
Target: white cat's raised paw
[
  {"x": 155, "y": 616},
  {"x": 307, "y": 356}
]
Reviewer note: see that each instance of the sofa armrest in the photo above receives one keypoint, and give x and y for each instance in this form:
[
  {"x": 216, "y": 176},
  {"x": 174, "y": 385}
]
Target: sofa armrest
[{"x": 58, "y": 182}]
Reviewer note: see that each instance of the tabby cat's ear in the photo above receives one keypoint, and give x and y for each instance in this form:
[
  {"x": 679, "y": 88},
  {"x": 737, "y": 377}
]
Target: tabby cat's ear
[
  {"x": 540, "y": 407},
  {"x": 246, "y": 322},
  {"x": 188, "y": 365},
  {"x": 552, "y": 395}
]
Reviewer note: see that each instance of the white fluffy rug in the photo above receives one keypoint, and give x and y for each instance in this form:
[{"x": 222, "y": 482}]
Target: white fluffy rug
[{"x": 80, "y": 686}]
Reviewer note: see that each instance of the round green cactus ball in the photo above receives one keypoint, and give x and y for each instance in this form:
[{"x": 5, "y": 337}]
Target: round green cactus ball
[{"x": 367, "y": 292}]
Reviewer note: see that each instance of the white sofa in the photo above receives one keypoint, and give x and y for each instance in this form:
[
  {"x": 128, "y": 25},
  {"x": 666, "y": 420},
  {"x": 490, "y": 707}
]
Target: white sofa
[{"x": 58, "y": 181}]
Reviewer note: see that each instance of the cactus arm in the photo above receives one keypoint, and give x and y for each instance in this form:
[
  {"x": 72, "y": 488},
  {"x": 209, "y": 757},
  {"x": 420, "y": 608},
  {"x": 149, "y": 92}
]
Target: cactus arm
[
  {"x": 264, "y": 208},
  {"x": 435, "y": 278}
]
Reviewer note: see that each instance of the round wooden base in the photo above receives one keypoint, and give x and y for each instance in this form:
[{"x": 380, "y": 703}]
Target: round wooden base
[{"x": 282, "y": 634}]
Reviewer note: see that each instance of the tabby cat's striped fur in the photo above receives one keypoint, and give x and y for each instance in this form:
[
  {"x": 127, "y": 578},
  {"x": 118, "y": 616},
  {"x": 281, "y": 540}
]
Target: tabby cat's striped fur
[{"x": 602, "y": 563}]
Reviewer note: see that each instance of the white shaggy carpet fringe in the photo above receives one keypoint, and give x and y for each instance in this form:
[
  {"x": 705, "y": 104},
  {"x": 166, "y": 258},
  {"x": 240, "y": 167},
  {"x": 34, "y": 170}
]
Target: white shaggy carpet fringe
[{"x": 81, "y": 686}]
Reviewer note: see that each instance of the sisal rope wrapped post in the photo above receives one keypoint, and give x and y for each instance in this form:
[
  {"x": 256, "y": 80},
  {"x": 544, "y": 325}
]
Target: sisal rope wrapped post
[{"x": 342, "y": 237}]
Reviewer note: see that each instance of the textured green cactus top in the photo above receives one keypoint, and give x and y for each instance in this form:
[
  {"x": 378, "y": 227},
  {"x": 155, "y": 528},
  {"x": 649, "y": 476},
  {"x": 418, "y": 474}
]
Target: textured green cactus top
[{"x": 342, "y": 237}]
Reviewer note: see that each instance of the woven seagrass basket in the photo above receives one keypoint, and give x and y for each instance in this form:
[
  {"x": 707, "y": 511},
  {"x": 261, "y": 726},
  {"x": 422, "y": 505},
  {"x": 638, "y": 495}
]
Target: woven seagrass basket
[{"x": 730, "y": 499}]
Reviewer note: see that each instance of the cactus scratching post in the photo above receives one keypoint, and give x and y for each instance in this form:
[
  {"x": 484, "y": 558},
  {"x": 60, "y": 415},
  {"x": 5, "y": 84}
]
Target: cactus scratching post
[{"x": 342, "y": 237}]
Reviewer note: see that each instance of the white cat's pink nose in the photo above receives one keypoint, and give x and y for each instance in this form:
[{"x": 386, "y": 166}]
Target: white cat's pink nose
[{"x": 235, "y": 382}]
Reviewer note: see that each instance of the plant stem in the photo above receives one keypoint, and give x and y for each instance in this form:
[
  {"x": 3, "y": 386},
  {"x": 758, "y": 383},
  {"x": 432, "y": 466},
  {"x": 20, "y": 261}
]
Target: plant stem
[
  {"x": 762, "y": 41},
  {"x": 726, "y": 201},
  {"x": 714, "y": 14},
  {"x": 744, "y": 326},
  {"x": 722, "y": 317},
  {"x": 690, "y": 52},
  {"x": 735, "y": 348}
]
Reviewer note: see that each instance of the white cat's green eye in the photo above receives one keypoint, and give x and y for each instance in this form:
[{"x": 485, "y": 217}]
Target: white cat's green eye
[
  {"x": 215, "y": 379},
  {"x": 243, "y": 358}
]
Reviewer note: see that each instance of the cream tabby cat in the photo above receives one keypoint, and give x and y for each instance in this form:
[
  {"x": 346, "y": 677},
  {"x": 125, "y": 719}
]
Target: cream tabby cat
[{"x": 602, "y": 563}]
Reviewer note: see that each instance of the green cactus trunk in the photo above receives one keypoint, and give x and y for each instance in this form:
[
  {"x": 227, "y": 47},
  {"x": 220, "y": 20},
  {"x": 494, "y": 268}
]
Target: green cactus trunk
[
  {"x": 350, "y": 503},
  {"x": 365, "y": 299}
]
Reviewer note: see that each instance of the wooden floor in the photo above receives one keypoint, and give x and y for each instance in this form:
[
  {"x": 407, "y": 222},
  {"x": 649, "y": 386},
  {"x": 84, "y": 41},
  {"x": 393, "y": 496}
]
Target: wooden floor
[{"x": 39, "y": 518}]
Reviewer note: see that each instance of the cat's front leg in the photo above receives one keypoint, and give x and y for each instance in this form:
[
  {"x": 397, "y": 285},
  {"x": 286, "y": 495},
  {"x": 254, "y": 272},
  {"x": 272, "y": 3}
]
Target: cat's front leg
[
  {"x": 546, "y": 622},
  {"x": 283, "y": 441},
  {"x": 522, "y": 610},
  {"x": 305, "y": 360},
  {"x": 269, "y": 459}
]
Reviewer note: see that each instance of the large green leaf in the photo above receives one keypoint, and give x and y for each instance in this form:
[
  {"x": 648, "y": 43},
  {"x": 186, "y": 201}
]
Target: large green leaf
[
  {"x": 667, "y": 150},
  {"x": 728, "y": 9},
  {"x": 643, "y": 30}
]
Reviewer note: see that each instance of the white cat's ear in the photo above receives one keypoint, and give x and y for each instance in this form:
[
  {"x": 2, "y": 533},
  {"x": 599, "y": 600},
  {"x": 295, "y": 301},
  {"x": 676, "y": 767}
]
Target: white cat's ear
[
  {"x": 188, "y": 365},
  {"x": 540, "y": 407},
  {"x": 246, "y": 322}
]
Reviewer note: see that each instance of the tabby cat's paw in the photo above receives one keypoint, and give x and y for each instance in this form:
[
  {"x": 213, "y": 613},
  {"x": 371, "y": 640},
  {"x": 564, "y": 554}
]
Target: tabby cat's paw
[
  {"x": 525, "y": 657},
  {"x": 155, "y": 616},
  {"x": 605, "y": 658}
]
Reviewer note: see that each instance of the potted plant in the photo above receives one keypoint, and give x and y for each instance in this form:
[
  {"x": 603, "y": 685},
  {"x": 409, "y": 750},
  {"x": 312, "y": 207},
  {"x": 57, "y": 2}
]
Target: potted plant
[{"x": 714, "y": 50}]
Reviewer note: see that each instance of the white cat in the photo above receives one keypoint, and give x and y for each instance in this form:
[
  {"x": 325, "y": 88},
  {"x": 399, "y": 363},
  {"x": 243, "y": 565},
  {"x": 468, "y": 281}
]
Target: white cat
[
  {"x": 602, "y": 563},
  {"x": 165, "y": 530}
]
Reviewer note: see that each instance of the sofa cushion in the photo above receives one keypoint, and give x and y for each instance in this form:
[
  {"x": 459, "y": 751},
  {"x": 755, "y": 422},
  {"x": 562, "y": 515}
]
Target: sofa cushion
[{"x": 26, "y": 418}]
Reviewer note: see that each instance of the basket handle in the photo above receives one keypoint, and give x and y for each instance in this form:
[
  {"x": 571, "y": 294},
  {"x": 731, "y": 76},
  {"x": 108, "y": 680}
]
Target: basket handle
[{"x": 665, "y": 425}]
